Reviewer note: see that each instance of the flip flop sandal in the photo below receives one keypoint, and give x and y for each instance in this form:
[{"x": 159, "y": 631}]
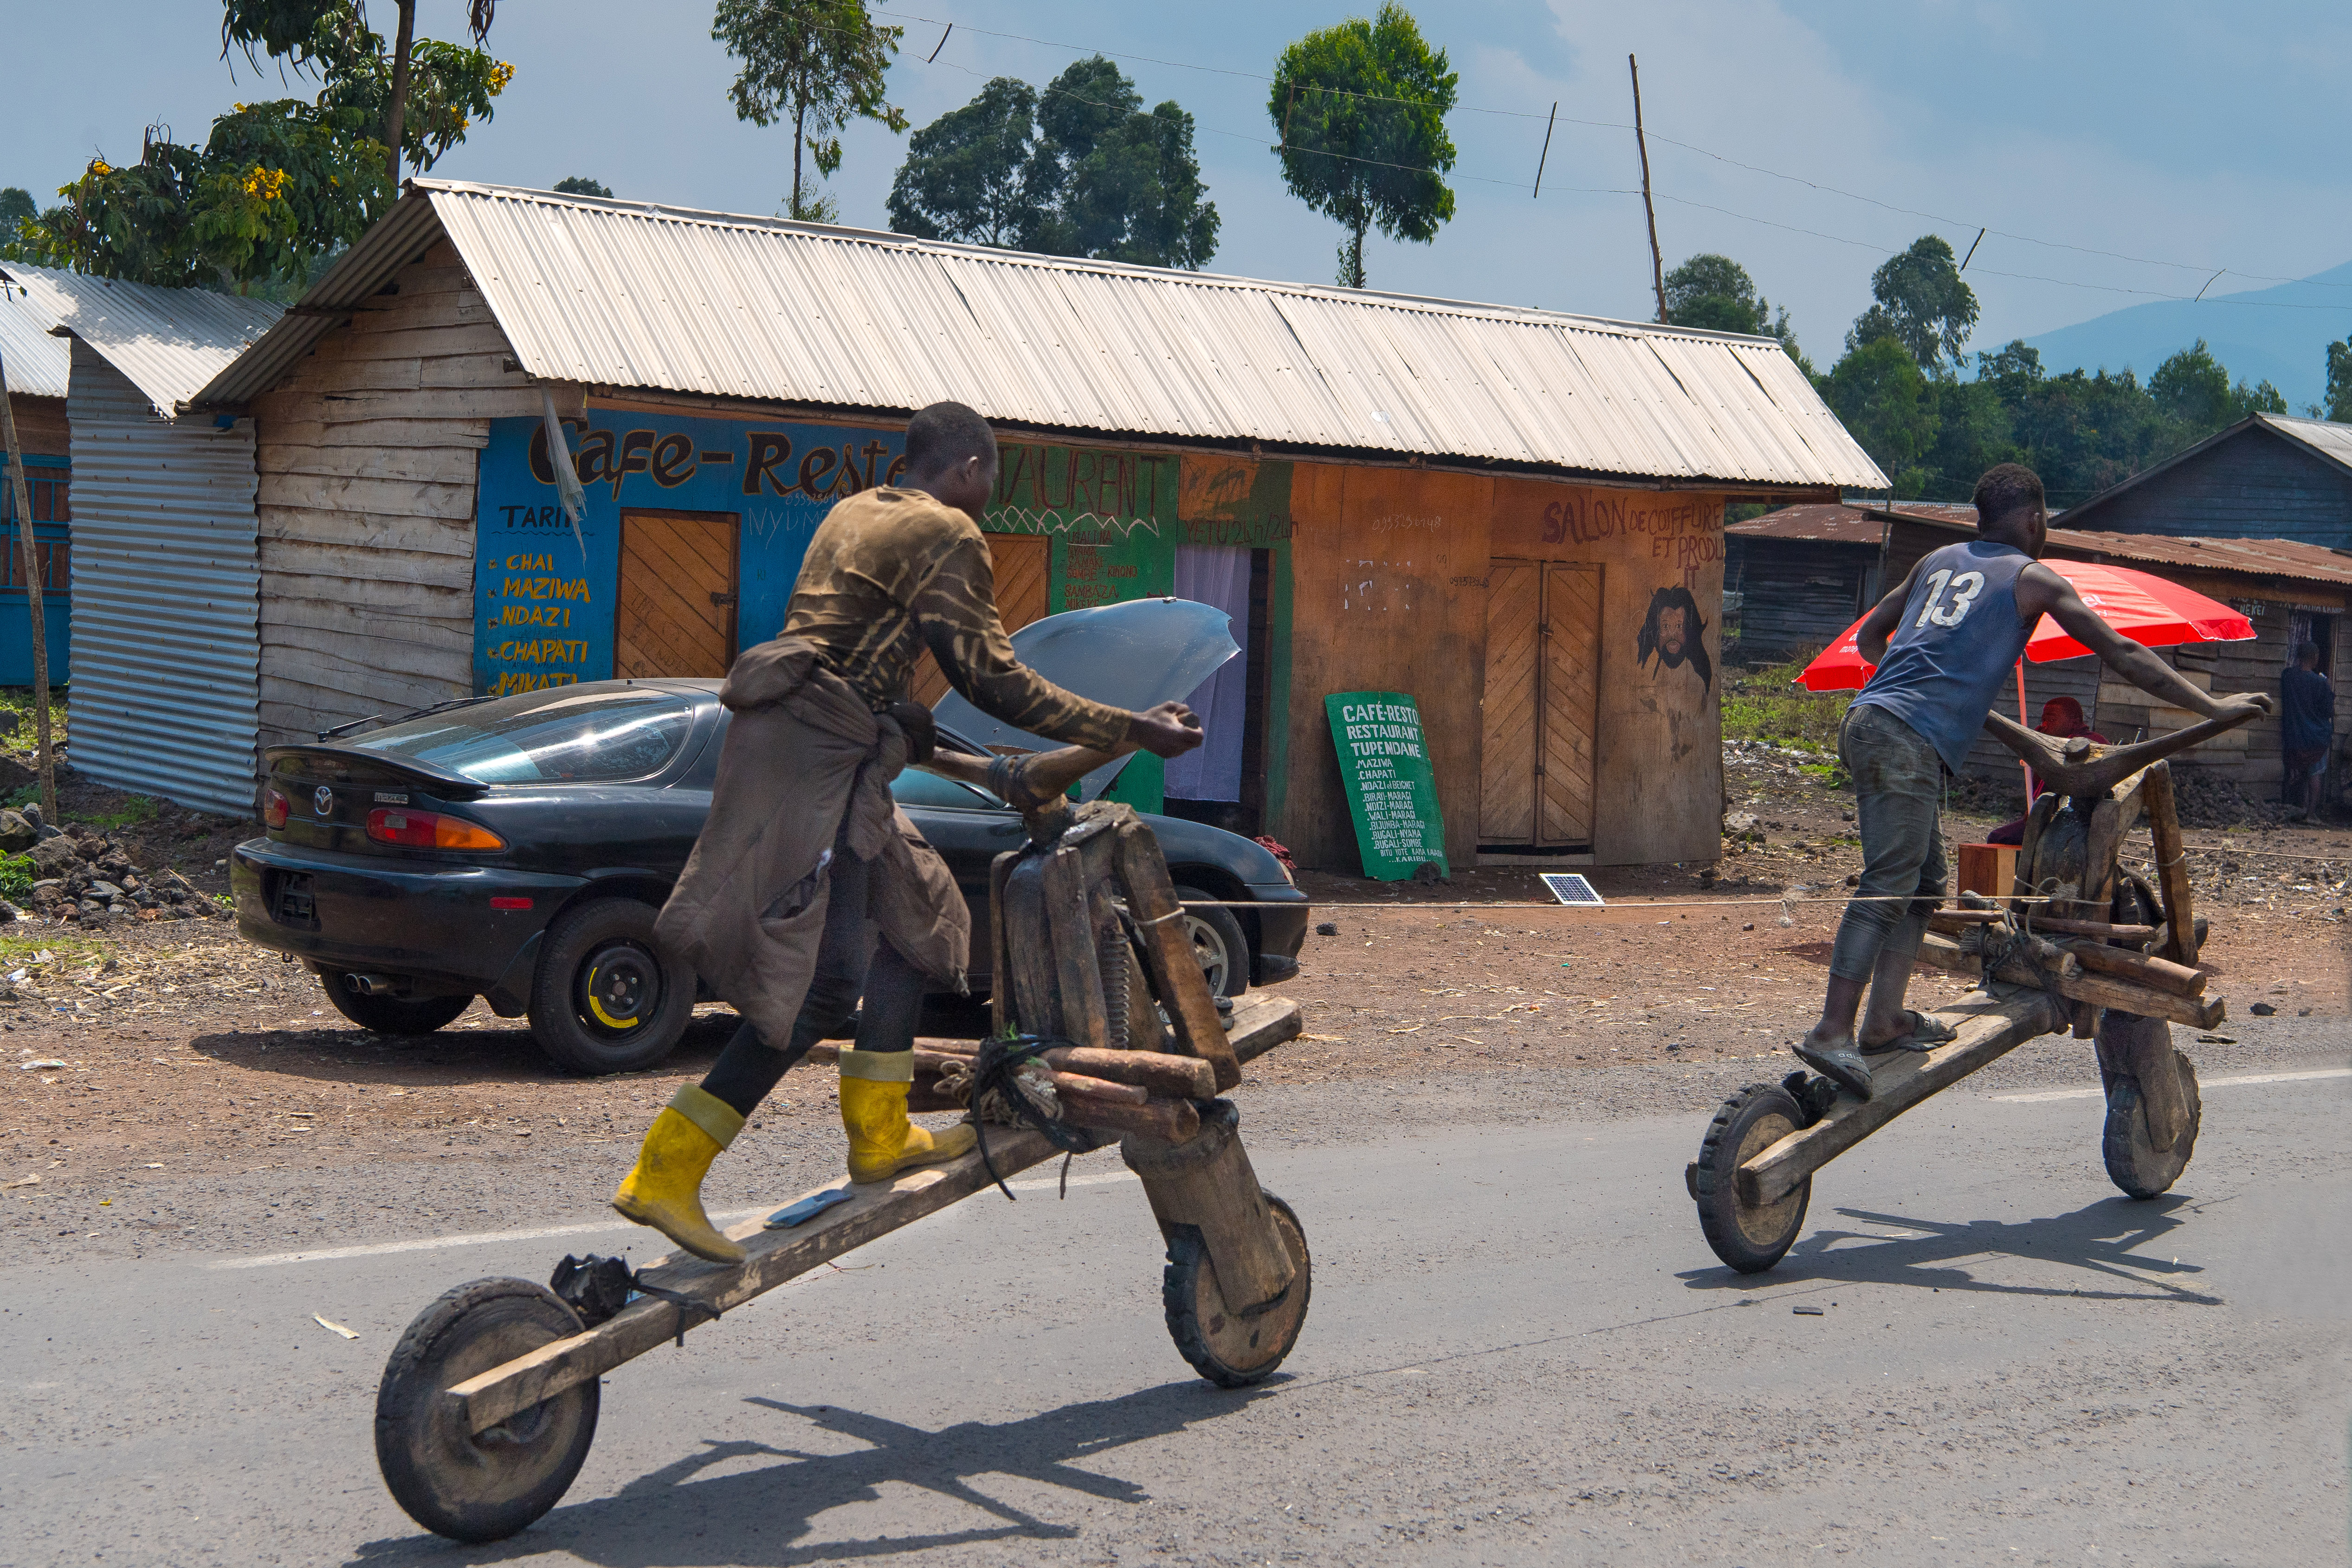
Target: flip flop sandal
[
  {"x": 1924, "y": 1034},
  {"x": 1840, "y": 1065}
]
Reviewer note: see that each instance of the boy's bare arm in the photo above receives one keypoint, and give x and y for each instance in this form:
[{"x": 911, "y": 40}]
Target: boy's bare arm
[{"x": 2041, "y": 592}]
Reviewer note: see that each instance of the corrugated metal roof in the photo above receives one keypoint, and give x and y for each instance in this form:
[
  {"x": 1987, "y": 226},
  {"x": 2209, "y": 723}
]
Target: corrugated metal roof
[
  {"x": 168, "y": 341},
  {"x": 35, "y": 361},
  {"x": 629, "y": 296},
  {"x": 2323, "y": 437},
  {"x": 1825, "y": 524},
  {"x": 2289, "y": 559}
]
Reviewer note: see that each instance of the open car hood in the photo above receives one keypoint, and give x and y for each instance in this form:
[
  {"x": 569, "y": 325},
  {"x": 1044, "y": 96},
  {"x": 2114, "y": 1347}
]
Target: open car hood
[{"x": 1129, "y": 655}]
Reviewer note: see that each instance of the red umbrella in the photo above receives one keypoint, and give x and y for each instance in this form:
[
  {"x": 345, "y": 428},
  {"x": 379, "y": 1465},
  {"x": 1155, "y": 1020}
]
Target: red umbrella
[{"x": 2146, "y": 608}]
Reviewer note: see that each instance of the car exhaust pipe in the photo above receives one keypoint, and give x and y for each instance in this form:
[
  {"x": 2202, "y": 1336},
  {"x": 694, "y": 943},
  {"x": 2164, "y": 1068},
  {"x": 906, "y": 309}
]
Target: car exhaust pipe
[{"x": 370, "y": 984}]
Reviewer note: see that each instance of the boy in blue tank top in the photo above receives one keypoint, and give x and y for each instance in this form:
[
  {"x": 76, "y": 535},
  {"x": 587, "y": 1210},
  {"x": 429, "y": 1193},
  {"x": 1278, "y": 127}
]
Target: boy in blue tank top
[{"x": 1944, "y": 643}]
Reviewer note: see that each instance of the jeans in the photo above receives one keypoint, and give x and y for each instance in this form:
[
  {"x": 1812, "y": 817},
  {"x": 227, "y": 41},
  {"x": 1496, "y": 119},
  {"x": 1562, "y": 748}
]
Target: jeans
[{"x": 1898, "y": 785}]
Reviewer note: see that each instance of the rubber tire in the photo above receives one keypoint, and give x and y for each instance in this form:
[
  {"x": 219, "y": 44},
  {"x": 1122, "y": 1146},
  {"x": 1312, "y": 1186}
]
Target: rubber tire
[
  {"x": 1748, "y": 1239},
  {"x": 1227, "y": 930},
  {"x": 461, "y": 1486},
  {"x": 393, "y": 1015},
  {"x": 2133, "y": 1163},
  {"x": 573, "y": 940},
  {"x": 1214, "y": 1343}
]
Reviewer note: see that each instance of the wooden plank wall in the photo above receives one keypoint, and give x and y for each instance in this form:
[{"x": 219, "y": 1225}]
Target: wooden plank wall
[
  {"x": 367, "y": 457},
  {"x": 1795, "y": 595},
  {"x": 1659, "y": 741},
  {"x": 40, "y": 425},
  {"x": 2258, "y": 485},
  {"x": 1388, "y": 593}
]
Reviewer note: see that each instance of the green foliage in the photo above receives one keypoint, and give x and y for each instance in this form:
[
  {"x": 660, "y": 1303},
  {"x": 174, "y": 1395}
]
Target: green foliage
[
  {"x": 1362, "y": 111},
  {"x": 135, "y": 811},
  {"x": 279, "y": 185},
  {"x": 19, "y": 734},
  {"x": 581, "y": 185},
  {"x": 17, "y": 875},
  {"x": 1922, "y": 303},
  {"x": 2340, "y": 382},
  {"x": 2192, "y": 388},
  {"x": 1767, "y": 705},
  {"x": 817, "y": 63},
  {"x": 1878, "y": 394},
  {"x": 1078, "y": 170},
  {"x": 1716, "y": 294},
  {"x": 17, "y": 204}
]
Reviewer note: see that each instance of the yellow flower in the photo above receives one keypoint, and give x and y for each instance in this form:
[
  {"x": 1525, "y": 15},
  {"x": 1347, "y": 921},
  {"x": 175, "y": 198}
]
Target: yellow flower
[
  {"x": 500, "y": 74},
  {"x": 99, "y": 167},
  {"x": 264, "y": 184}
]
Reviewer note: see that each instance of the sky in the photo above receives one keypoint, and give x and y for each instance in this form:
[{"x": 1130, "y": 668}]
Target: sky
[{"x": 2121, "y": 153}]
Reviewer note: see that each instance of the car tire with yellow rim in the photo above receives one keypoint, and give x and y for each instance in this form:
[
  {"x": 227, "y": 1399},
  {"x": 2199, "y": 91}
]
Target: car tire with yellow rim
[{"x": 604, "y": 998}]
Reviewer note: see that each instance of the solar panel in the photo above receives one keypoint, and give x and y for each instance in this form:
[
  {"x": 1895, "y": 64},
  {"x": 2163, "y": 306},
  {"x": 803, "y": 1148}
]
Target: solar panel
[{"x": 1570, "y": 888}]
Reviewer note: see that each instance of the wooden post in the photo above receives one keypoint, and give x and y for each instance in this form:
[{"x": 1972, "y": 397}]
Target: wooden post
[
  {"x": 1657, "y": 261},
  {"x": 1168, "y": 952},
  {"x": 44, "y": 757},
  {"x": 1208, "y": 1183},
  {"x": 2172, "y": 865},
  {"x": 1071, "y": 938}
]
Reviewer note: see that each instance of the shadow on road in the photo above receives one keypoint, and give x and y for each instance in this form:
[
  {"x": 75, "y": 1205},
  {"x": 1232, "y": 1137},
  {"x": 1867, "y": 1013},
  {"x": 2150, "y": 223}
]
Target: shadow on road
[
  {"x": 675, "y": 1517},
  {"x": 2101, "y": 1238}
]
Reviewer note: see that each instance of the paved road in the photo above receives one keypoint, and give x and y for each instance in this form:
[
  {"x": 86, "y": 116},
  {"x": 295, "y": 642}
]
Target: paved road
[{"x": 1520, "y": 1350}]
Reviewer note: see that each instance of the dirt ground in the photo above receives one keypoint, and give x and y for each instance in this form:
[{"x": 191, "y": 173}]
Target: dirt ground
[{"x": 153, "y": 1054}]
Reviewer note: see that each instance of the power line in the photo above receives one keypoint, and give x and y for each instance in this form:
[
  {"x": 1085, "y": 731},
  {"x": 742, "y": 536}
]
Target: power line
[{"x": 2201, "y": 267}]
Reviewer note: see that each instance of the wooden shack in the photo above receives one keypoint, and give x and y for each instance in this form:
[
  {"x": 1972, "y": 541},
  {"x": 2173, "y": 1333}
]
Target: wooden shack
[
  {"x": 1513, "y": 515},
  {"x": 1796, "y": 578},
  {"x": 2265, "y": 477},
  {"x": 37, "y": 362}
]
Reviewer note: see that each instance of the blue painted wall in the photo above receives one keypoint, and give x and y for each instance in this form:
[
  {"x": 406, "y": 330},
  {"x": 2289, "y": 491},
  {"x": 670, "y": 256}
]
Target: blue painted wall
[
  {"x": 56, "y": 606},
  {"x": 543, "y": 608}
]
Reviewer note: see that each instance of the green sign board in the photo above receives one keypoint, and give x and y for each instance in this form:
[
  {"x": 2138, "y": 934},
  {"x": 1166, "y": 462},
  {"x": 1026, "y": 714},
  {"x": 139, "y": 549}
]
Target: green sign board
[{"x": 1385, "y": 767}]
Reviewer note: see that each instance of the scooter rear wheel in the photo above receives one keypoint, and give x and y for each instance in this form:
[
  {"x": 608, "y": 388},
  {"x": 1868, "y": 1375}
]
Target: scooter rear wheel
[{"x": 1750, "y": 1238}]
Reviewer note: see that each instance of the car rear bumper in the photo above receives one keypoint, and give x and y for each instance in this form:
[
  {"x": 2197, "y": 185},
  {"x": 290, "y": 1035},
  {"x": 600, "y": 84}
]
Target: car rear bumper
[
  {"x": 1281, "y": 912},
  {"x": 429, "y": 924}
]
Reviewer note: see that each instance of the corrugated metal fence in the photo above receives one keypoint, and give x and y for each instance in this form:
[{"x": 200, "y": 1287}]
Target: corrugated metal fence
[{"x": 166, "y": 595}]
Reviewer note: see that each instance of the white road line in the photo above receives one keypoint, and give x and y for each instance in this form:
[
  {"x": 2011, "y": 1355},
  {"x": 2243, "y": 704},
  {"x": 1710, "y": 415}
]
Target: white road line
[
  {"x": 2202, "y": 1084},
  {"x": 489, "y": 1238}
]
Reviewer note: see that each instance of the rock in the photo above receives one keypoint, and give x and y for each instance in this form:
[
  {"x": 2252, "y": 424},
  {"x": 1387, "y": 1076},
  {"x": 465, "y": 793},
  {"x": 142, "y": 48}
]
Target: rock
[
  {"x": 2263, "y": 1011},
  {"x": 1328, "y": 928},
  {"x": 105, "y": 890},
  {"x": 17, "y": 834},
  {"x": 1739, "y": 823},
  {"x": 8, "y": 912},
  {"x": 49, "y": 832},
  {"x": 32, "y": 815},
  {"x": 1430, "y": 871},
  {"x": 56, "y": 856}
]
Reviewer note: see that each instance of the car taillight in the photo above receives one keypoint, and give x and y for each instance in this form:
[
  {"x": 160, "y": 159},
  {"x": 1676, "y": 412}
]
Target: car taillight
[
  {"x": 274, "y": 806},
  {"x": 429, "y": 831}
]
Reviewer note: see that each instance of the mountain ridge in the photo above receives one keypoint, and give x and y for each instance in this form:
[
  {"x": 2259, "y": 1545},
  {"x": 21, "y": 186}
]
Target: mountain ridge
[{"x": 2272, "y": 334}]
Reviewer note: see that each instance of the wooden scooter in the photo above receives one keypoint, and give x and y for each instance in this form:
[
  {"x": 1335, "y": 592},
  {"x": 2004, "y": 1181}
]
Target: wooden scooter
[
  {"x": 2080, "y": 945},
  {"x": 488, "y": 1404}
]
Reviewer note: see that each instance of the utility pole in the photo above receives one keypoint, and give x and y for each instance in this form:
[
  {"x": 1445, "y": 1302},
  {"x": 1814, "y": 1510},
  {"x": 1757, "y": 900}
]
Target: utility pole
[
  {"x": 40, "y": 627},
  {"x": 1657, "y": 262}
]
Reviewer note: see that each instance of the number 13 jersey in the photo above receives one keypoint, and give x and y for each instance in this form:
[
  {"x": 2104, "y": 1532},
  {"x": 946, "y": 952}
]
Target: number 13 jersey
[{"x": 1960, "y": 638}]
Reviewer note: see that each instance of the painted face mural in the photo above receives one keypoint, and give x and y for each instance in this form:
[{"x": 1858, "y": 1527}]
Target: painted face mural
[{"x": 1673, "y": 632}]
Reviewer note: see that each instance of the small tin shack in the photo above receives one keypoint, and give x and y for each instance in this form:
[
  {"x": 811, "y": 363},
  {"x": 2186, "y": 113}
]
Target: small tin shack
[
  {"x": 163, "y": 576},
  {"x": 2265, "y": 477},
  {"x": 1796, "y": 578},
  {"x": 1515, "y": 516},
  {"x": 36, "y": 365}
]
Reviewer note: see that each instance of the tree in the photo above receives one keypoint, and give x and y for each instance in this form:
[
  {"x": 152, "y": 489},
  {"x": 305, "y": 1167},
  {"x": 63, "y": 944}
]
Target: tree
[
  {"x": 1923, "y": 304},
  {"x": 2192, "y": 388},
  {"x": 16, "y": 206},
  {"x": 1361, "y": 108},
  {"x": 819, "y": 63},
  {"x": 968, "y": 173},
  {"x": 1877, "y": 393},
  {"x": 332, "y": 39},
  {"x": 2340, "y": 377},
  {"x": 581, "y": 185},
  {"x": 1716, "y": 294},
  {"x": 1077, "y": 170}
]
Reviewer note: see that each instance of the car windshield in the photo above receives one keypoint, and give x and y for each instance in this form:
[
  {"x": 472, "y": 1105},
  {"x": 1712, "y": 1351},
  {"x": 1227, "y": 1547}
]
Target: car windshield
[{"x": 545, "y": 737}]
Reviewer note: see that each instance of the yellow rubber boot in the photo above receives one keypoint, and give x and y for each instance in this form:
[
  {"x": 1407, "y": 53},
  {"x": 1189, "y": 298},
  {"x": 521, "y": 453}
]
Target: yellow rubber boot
[
  {"x": 664, "y": 1189},
  {"x": 882, "y": 1142}
]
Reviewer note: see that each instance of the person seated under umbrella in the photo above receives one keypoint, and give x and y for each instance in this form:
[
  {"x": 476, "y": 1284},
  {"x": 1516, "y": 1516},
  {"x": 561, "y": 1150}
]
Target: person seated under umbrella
[{"x": 2061, "y": 716}]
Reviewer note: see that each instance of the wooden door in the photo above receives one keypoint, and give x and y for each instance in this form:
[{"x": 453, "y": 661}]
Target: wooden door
[
  {"x": 1506, "y": 768},
  {"x": 676, "y": 610},
  {"x": 1543, "y": 659},
  {"x": 1571, "y": 699},
  {"x": 1021, "y": 561}
]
